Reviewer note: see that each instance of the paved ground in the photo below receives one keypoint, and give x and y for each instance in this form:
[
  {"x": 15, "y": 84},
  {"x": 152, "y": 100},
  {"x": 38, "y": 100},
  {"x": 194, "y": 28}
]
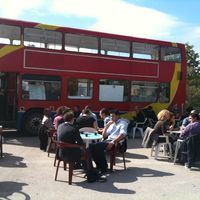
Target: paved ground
[{"x": 27, "y": 173}]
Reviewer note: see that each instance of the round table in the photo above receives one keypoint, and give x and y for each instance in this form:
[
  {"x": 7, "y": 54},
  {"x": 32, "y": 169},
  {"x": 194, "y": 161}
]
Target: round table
[{"x": 89, "y": 137}]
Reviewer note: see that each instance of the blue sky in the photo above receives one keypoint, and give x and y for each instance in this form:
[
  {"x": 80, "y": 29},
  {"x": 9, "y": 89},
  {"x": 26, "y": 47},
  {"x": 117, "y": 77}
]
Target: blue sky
[{"x": 170, "y": 20}]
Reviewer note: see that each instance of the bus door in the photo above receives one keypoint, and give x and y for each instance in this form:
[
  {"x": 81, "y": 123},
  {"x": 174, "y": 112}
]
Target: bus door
[{"x": 8, "y": 96}]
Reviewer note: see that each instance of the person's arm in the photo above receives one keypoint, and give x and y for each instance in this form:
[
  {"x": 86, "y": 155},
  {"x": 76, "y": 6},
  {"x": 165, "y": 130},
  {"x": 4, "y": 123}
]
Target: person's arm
[
  {"x": 185, "y": 133},
  {"x": 104, "y": 132},
  {"x": 95, "y": 125},
  {"x": 164, "y": 127},
  {"x": 48, "y": 123},
  {"x": 77, "y": 136},
  {"x": 171, "y": 127}
]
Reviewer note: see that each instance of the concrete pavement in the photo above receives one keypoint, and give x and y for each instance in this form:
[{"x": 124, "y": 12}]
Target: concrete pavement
[{"x": 27, "y": 173}]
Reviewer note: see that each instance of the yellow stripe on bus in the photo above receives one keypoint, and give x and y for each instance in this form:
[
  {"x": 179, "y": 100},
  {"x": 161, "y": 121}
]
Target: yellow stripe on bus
[
  {"x": 174, "y": 44},
  {"x": 173, "y": 90},
  {"x": 9, "y": 49},
  {"x": 46, "y": 26}
]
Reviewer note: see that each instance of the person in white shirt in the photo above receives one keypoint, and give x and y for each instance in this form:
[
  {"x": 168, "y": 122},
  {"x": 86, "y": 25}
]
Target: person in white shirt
[{"x": 114, "y": 131}]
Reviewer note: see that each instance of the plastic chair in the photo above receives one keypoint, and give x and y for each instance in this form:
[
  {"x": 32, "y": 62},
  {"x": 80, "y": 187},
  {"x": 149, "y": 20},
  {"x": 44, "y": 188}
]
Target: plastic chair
[
  {"x": 118, "y": 148},
  {"x": 139, "y": 126},
  {"x": 178, "y": 145},
  {"x": 165, "y": 145},
  {"x": 62, "y": 145}
]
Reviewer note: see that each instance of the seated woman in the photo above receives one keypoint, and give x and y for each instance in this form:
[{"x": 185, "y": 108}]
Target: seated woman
[
  {"x": 165, "y": 122},
  {"x": 58, "y": 116}
]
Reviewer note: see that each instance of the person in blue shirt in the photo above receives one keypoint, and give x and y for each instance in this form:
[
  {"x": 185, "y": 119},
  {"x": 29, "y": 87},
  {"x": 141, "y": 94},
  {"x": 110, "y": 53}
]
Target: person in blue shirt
[{"x": 104, "y": 114}]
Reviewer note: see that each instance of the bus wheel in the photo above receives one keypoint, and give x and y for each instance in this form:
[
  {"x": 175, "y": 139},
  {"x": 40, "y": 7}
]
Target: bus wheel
[{"x": 32, "y": 122}]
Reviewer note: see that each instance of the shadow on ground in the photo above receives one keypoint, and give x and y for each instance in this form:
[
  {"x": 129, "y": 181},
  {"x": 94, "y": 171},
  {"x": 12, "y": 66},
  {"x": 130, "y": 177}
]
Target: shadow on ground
[
  {"x": 123, "y": 176},
  {"x": 9, "y": 160},
  {"x": 8, "y": 188},
  {"x": 29, "y": 141}
]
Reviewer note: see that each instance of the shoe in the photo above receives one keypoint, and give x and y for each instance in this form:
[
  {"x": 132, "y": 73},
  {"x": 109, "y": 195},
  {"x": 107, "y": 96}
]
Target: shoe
[
  {"x": 187, "y": 166},
  {"x": 102, "y": 179},
  {"x": 103, "y": 171},
  {"x": 78, "y": 165}
]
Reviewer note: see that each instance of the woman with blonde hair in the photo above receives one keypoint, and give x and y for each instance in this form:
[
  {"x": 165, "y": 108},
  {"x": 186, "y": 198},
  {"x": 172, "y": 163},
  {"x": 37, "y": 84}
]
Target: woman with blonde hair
[
  {"x": 162, "y": 125},
  {"x": 163, "y": 115}
]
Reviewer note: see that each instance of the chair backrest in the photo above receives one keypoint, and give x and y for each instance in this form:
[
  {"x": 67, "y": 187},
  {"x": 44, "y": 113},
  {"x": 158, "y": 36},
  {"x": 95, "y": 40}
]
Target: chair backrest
[
  {"x": 64, "y": 145},
  {"x": 88, "y": 129},
  {"x": 147, "y": 140},
  {"x": 122, "y": 145},
  {"x": 51, "y": 132}
]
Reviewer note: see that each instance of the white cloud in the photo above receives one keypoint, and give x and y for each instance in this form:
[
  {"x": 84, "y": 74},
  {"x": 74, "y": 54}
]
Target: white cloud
[
  {"x": 192, "y": 35},
  {"x": 14, "y": 8},
  {"x": 118, "y": 16},
  {"x": 112, "y": 16}
]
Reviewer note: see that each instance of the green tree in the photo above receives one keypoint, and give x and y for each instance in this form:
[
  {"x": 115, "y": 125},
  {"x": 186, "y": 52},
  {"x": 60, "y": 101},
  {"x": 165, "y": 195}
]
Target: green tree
[{"x": 193, "y": 76}]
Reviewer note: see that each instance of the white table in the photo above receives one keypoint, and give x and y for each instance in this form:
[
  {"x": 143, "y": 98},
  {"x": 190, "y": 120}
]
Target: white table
[
  {"x": 89, "y": 138},
  {"x": 176, "y": 132}
]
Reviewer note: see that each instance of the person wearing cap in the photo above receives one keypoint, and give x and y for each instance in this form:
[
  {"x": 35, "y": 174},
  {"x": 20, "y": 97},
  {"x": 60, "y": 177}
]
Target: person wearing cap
[{"x": 186, "y": 120}]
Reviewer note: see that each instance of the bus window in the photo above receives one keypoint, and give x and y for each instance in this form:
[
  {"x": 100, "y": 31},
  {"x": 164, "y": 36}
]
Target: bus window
[
  {"x": 113, "y": 47},
  {"x": 145, "y": 51},
  {"x": 144, "y": 91},
  {"x": 41, "y": 87},
  {"x": 80, "y": 89},
  {"x": 164, "y": 92},
  {"x": 40, "y": 38},
  {"x": 10, "y": 34},
  {"x": 170, "y": 54},
  {"x": 118, "y": 88},
  {"x": 81, "y": 43}
]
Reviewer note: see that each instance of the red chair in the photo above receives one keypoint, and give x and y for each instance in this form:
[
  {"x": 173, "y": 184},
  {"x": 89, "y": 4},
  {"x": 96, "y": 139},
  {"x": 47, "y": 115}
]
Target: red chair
[
  {"x": 62, "y": 145},
  {"x": 118, "y": 148}
]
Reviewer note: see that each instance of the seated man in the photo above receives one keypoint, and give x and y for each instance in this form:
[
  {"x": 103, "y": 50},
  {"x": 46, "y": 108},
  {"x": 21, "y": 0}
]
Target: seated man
[
  {"x": 193, "y": 127},
  {"x": 186, "y": 120},
  {"x": 68, "y": 133},
  {"x": 114, "y": 131}
]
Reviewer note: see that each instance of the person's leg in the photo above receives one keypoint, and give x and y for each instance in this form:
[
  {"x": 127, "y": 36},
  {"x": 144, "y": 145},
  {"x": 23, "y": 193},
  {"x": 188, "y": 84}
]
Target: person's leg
[
  {"x": 45, "y": 138},
  {"x": 97, "y": 152}
]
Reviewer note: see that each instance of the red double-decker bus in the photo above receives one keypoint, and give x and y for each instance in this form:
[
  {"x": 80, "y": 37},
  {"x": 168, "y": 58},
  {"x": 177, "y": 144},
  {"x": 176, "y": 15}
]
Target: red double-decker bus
[{"x": 44, "y": 66}]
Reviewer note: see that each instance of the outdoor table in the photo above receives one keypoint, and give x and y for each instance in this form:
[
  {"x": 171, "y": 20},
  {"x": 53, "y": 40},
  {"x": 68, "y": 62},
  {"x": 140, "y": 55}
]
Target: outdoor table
[
  {"x": 178, "y": 132},
  {"x": 89, "y": 137}
]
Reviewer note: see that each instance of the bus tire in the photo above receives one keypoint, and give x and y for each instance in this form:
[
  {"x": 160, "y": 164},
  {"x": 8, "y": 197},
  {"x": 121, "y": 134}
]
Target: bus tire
[{"x": 32, "y": 122}]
